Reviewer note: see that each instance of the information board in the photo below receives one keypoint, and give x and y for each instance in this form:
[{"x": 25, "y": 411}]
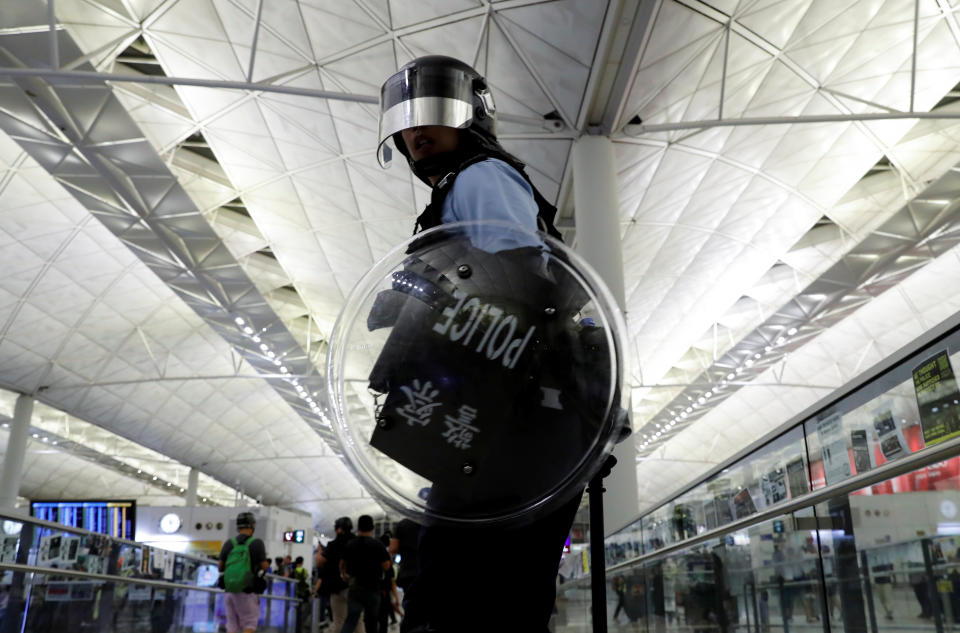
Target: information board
[{"x": 937, "y": 398}]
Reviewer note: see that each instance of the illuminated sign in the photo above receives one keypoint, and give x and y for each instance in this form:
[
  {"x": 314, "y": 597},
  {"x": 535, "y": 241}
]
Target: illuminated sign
[{"x": 294, "y": 536}]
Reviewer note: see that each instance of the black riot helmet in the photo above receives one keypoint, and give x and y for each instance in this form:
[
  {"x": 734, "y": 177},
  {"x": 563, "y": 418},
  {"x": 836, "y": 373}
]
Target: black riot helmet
[
  {"x": 246, "y": 520},
  {"x": 434, "y": 90}
]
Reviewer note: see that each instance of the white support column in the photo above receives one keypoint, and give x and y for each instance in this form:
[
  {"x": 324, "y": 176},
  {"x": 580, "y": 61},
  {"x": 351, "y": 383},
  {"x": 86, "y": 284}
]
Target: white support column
[
  {"x": 16, "y": 451},
  {"x": 192, "y": 482},
  {"x": 597, "y": 213}
]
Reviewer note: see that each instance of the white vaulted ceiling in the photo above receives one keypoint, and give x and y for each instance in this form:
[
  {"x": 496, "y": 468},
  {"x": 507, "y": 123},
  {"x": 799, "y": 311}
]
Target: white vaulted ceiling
[{"x": 722, "y": 226}]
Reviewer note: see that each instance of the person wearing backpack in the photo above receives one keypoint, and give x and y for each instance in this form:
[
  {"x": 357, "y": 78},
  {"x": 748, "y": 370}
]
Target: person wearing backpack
[
  {"x": 301, "y": 591},
  {"x": 243, "y": 562},
  {"x": 332, "y": 584}
]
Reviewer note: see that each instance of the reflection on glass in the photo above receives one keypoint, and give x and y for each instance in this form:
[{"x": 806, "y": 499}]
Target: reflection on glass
[{"x": 770, "y": 476}]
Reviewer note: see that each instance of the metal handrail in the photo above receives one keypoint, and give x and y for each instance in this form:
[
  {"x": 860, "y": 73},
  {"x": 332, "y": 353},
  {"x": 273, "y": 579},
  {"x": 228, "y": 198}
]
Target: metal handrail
[
  {"x": 932, "y": 337},
  {"x": 925, "y": 457},
  {"x": 31, "y": 520},
  {"x": 131, "y": 580}
]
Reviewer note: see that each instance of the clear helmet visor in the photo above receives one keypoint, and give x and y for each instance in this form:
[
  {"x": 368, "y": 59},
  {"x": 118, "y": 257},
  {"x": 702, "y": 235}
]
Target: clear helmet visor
[{"x": 416, "y": 97}]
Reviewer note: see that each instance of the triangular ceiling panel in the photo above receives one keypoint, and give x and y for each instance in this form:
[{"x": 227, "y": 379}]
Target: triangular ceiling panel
[
  {"x": 567, "y": 25},
  {"x": 406, "y": 13},
  {"x": 774, "y": 20},
  {"x": 141, "y": 9},
  {"x": 379, "y": 10},
  {"x": 331, "y": 31},
  {"x": 515, "y": 89},
  {"x": 457, "y": 39},
  {"x": 746, "y": 67},
  {"x": 364, "y": 71},
  {"x": 357, "y": 128},
  {"x": 563, "y": 77},
  {"x": 683, "y": 46},
  {"x": 327, "y": 190},
  {"x": 301, "y": 141}
]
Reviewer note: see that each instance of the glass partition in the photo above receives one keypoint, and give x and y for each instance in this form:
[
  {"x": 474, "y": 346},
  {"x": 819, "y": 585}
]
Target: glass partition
[
  {"x": 879, "y": 556},
  {"x": 54, "y": 602},
  {"x": 910, "y": 405},
  {"x": 79, "y": 580}
]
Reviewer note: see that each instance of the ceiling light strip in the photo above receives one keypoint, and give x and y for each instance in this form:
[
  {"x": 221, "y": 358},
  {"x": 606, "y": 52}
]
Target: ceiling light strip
[
  {"x": 923, "y": 229},
  {"x": 126, "y": 185}
]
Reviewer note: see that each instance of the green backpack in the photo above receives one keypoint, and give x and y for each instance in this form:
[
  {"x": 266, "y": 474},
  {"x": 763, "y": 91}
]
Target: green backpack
[{"x": 237, "y": 575}]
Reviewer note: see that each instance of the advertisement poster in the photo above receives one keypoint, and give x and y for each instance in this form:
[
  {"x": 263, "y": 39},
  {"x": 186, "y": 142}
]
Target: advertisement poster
[
  {"x": 833, "y": 449},
  {"x": 861, "y": 450},
  {"x": 8, "y": 552},
  {"x": 889, "y": 434},
  {"x": 937, "y": 398},
  {"x": 743, "y": 505},
  {"x": 797, "y": 478},
  {"x": 774, "y": 485}
]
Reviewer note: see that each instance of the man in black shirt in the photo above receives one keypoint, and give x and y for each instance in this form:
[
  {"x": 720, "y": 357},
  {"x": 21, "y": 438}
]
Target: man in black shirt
[
  {"x": 242, "y": 601},
  {"x": 404, "y": 543},
  {"x": 363, "y": 563},
  {"x": 328, "y": 562}
]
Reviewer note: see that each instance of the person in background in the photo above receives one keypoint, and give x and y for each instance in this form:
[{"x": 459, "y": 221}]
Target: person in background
[
  {"x": 277, "y": 569},
  {"x": 287, "y": 566},
  {"x": 404, "y": 543},
  {"x": 325, "y": 615},
  {"x": 243, "y": 562},
  {"x": 389, "y": 600},
  {"x": 301, "y": 591},
  {"x": 388, "y": 589},
  {"x": 364, "y": 561},
  {"x": 332, "y": 584}
]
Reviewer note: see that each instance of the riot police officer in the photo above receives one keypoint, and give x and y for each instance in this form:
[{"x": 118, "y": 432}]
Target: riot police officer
[{"x": 439, "y": 113}]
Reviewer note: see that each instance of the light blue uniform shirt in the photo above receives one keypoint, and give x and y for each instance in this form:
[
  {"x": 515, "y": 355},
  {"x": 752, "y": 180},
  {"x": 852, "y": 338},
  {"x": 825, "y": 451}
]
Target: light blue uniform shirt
[{"x": 493, "y": 190}]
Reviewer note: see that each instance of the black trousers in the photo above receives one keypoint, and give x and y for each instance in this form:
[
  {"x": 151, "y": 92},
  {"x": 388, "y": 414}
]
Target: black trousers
[{"x": 456, "y": 594}]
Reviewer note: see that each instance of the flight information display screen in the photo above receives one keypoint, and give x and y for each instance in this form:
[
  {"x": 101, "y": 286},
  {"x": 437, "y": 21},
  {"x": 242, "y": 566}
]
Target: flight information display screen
[{"x": 115, "y": 518}]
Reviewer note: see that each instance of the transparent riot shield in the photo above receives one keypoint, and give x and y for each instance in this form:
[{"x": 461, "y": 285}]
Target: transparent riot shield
[{"x": 475, "y": 375}]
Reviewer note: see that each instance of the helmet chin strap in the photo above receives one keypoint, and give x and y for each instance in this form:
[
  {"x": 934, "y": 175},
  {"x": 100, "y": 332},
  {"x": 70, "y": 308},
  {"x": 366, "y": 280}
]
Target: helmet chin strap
[{"x": 435, "y": 165}]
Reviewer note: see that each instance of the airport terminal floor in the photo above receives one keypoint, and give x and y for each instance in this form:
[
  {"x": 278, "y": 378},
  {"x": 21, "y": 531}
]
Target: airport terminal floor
[{"x": 301, "y": 261}]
